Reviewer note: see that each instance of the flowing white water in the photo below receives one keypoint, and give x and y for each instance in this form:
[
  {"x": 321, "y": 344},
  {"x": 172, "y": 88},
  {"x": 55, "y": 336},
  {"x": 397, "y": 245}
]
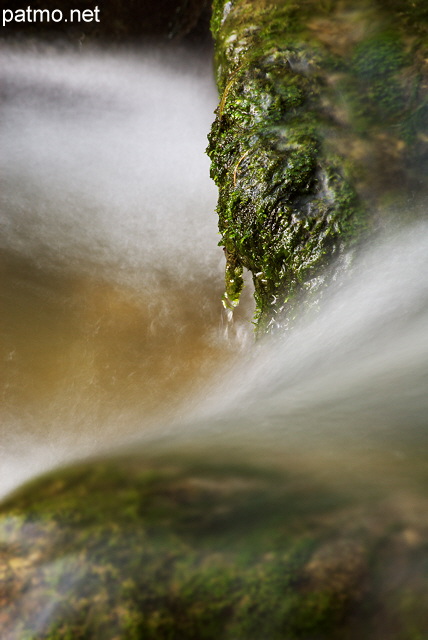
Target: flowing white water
[
  {"x": 111, "y": 325},
  {"x": 111, "y": 279},
  {"x": 354, "y": 372}
]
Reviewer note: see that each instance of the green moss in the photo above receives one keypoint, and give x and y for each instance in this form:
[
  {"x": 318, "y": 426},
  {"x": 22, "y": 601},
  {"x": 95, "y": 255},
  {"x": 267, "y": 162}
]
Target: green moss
[
  {"x": 373, "y": 83},
  {"x": 411, "y": 16},
  {"x": 282, "y": 208},
  {"x": 290, "y": 199},
  {"x": 135, "y": 553},
  {"x": 218, "y": 11},
  {"x": 160, "y": 549}
]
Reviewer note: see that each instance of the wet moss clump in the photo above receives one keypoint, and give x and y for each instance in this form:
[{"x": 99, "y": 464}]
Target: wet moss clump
[{"x": 301, "y": 109}]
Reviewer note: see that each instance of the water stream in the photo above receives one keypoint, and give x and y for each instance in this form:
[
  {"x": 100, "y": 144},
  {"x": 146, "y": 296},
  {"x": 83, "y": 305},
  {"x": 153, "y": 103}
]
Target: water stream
[
  {"x": 111, "y": 279},
  {"x": 114, "y": 339},
  {"x": 111, "y": 324}
]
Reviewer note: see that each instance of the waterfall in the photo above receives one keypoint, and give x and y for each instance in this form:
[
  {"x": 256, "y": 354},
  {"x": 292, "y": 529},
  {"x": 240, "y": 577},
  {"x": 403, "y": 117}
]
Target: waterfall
[{"x": 112, "y": 326}]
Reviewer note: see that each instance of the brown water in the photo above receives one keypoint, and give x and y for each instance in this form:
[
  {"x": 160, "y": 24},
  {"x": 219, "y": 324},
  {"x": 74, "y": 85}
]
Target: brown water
[{"x": 81, "y": 353}]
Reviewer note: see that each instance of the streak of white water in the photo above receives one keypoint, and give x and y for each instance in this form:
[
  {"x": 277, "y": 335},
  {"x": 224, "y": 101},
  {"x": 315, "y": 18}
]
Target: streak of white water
[
  {"x": 103, "y": 161},
  {"x": 111, "y": 322},
  {"x": 111, "y": 277},
  {"x": 356, "y": 371}
]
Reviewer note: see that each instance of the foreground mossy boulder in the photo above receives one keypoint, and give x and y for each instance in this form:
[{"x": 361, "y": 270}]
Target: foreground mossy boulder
[
  {"x": 159, "y": 549},
  {"x": 322, "y": 118}
]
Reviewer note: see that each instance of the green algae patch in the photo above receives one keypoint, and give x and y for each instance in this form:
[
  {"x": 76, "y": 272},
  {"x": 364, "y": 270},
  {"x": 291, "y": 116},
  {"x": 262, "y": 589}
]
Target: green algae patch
[
  {"x": 320, "y": 106},
  {"x": 130, "y": 550},
  {"x": 160, "y": 549}
]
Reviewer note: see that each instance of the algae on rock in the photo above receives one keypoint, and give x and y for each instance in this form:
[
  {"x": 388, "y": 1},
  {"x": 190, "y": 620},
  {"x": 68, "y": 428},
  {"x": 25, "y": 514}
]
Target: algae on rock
[
  {"x": 322, "y": 106},
  {"x": 207, "y": 550}
]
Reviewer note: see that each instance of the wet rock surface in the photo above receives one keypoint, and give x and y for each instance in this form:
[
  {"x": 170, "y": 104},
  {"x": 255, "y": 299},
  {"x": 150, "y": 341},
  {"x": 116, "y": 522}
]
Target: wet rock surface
[
  {"x": 159, "y": 549},
  {"x": 321, "y": 125}
]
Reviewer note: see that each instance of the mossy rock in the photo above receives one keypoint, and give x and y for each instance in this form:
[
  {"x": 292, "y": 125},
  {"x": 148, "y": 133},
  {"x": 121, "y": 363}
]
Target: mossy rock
[
  {"x": 320, "y": 121},
  {"x": 177, "y": 549}
]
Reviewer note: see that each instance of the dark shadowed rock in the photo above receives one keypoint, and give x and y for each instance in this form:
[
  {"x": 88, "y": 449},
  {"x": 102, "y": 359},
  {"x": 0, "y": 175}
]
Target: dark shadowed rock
[{"x": 116, "y": 21}]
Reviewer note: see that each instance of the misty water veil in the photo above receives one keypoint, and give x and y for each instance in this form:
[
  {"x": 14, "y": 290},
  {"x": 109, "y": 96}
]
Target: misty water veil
[{"x": 112, "y": 328}]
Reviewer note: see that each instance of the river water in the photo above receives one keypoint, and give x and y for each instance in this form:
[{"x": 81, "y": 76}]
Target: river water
[
  {"x": 113, "y": 340},
  {"x": 112, "y": 329}
]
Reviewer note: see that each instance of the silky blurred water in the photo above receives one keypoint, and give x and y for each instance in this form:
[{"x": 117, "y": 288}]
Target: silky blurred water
[
  {"x": 111, "y": 324},
  {"x": 111, "y": 278}
]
